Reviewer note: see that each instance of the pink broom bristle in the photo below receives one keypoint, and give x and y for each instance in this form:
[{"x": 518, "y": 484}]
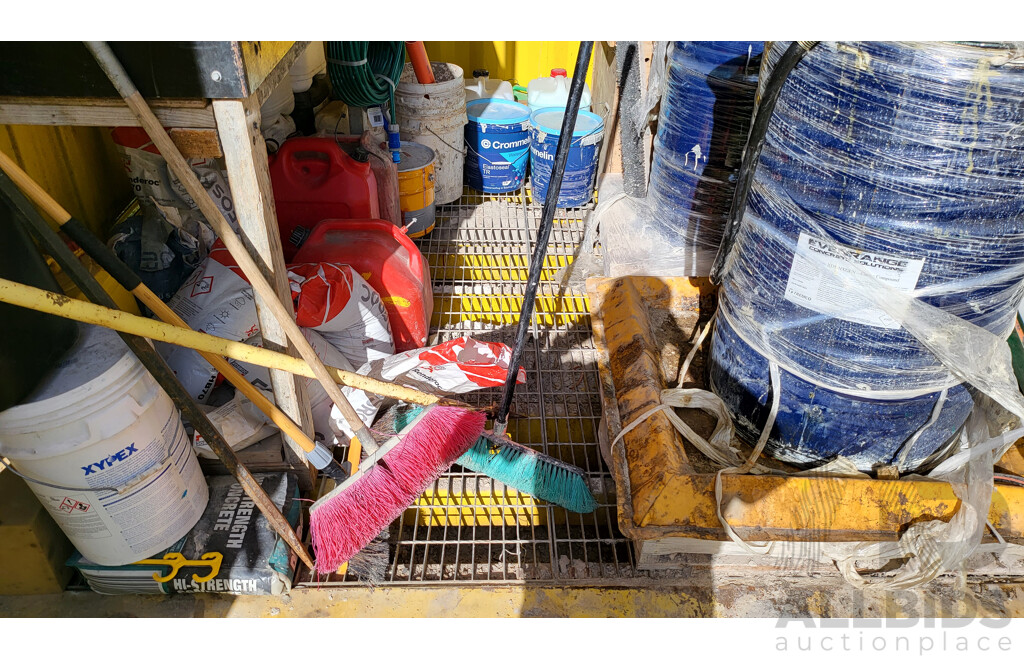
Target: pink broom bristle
[{"x": 348, "y": 521}]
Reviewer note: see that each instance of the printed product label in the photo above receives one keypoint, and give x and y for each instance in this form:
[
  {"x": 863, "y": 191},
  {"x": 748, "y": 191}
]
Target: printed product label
[
  {"x": 150, "y": 510},
  {"x": 832, "y": 294}
]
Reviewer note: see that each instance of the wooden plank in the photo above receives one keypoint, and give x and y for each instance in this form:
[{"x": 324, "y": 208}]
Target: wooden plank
[
  {"x": 605, "y": 102},
  {"x": 245, "y": 156},
  {"x": 196, "y": 142},
  {"x": 100, "y": 112}
]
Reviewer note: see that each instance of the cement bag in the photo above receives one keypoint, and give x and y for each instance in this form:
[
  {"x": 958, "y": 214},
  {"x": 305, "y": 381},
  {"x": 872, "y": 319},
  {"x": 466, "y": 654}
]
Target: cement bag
[
  {"x": 337, "y": 302},
  {"x": 156, "y": 187},
  {"x": 242, "y": 424},
  {"x": 321, "y": 404},
  {"x": 217, "y": 300},
  {"x": 456, "y": 366},
  {"x": 161, "y": 254}
]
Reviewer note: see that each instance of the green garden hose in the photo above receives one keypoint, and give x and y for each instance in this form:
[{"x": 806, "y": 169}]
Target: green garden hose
[{"x": 365, "y": 73}]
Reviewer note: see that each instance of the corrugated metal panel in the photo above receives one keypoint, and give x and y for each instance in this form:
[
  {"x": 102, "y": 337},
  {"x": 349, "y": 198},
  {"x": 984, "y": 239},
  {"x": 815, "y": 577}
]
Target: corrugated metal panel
[
  {"x": 520, "y": 61},
  {"x": 78, "y": 165}
]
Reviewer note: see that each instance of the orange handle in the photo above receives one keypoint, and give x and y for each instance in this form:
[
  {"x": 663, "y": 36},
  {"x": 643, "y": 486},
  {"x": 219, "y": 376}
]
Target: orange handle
[{"x": 420, "y": 62}]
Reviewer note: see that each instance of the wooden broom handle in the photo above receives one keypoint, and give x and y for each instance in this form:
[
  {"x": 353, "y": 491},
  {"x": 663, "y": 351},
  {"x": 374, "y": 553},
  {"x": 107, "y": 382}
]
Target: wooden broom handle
[{"x": 119, "y": 77}]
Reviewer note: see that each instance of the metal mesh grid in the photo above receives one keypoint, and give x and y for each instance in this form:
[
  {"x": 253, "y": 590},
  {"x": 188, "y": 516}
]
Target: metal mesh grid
[{"x": 468, "y": 528}]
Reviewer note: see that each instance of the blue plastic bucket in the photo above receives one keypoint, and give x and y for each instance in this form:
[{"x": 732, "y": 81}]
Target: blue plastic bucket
[
  {"x": 497, "y": 144},
  {"x": 580, "y": 168},
  {"x": 705, "y": 115},
  {"x": 903, "y": 164}
]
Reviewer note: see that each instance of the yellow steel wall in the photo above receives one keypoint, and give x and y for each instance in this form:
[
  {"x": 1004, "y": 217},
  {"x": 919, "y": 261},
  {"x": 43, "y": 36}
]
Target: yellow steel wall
[
  {"x": 78, "y": 165},
  {"x": 520, "y": 61}
]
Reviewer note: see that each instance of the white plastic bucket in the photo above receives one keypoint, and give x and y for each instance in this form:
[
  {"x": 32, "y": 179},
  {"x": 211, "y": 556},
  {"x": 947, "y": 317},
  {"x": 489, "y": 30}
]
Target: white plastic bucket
[
  {"x": 311, "y": 62},
  {"x": 435, "y": 115},
  {"x": 280, "y": 102},
  {"x": 100, "y": 419}
]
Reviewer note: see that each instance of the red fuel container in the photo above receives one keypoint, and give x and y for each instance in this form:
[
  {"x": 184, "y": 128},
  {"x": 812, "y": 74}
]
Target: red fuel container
[
  {"x": 314, "y": 179},
  {"x": 389, "y": 261}
]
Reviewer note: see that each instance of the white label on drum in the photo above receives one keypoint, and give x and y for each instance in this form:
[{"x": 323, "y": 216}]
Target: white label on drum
[{"x": 833, "y": 293}]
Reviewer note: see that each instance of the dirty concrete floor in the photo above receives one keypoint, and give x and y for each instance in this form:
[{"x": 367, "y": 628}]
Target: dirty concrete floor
[{"x": 767, "y": 596}]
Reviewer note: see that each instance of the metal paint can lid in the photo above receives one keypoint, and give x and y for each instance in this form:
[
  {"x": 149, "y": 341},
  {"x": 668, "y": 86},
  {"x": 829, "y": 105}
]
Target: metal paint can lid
[{"x": 415, "y": 156}]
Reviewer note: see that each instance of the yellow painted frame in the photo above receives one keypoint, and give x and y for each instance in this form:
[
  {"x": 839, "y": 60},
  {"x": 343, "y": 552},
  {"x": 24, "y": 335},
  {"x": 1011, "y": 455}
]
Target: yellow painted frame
[{"x": 660, "y": 494}]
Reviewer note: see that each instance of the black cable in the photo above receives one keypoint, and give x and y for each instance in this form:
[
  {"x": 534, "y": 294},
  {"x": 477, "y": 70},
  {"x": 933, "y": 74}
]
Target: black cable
[
  {"x": 1011, "y": 479},
  {"x": 572, "y": 108},
  {"x": 752, "y": 151}
]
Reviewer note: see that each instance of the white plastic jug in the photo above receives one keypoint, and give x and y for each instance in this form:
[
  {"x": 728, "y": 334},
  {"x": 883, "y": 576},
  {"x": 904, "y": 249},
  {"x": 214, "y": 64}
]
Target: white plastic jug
[
  {"x": 482, "y": 87},
  {"x": 553, "y": 92}
]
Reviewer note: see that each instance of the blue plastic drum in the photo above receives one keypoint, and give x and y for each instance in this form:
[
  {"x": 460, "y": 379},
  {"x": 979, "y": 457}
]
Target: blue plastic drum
[
  {"x": 581, "y": 167},
  {"x": 905, "y": 167},
  {"x": 497, "y": 145}
]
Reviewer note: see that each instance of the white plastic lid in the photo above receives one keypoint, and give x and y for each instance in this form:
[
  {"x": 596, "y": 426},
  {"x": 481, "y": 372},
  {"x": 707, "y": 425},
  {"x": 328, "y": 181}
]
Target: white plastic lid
[
  {"x": 96, "y": 352},
  {"x": 549, "y": 120},
  {"x": 496, "y": 111}
]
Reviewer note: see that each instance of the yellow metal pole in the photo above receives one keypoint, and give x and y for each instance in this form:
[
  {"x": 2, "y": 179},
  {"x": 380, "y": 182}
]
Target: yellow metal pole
[{"x": 58, "y": 304}]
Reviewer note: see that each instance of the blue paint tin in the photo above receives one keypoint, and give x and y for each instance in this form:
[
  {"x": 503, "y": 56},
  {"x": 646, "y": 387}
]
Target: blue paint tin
[
  {"x": 497, "y": 144},
  {"x": 580, "y": 168}
]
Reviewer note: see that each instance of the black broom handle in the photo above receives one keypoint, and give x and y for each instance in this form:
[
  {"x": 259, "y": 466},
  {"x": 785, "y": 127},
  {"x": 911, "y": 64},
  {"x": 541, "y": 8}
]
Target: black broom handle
[{"x": 572, "y": 107}]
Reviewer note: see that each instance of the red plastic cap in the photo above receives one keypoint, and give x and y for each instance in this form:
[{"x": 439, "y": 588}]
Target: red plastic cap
[{"x": 558, "y": 72}]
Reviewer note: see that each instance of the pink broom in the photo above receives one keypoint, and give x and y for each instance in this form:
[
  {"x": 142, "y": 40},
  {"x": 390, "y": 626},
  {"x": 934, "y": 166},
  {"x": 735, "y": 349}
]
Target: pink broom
[{"x": 345, "y": 520}]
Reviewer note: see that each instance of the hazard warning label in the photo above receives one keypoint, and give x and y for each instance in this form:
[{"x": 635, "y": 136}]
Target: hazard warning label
[
  {"x": 73, "y": 506},
  {"x": 202, "y": 285}
]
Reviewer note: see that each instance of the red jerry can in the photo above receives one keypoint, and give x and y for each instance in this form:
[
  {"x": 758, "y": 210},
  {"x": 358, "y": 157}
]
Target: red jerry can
[
  {"x": 389, "y": 261},
  {"x": 314, "y": 179}
]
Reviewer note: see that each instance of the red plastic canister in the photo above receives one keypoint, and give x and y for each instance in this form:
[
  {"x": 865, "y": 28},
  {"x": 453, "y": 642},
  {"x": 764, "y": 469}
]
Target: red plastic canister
[
  {"x": 389, "y": 261},
  {"x": 314, "y": 179}
]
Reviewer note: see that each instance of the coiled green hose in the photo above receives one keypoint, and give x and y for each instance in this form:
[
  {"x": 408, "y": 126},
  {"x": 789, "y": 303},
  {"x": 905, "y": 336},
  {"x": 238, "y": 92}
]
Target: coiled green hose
[{"x": 365, "y": 73}]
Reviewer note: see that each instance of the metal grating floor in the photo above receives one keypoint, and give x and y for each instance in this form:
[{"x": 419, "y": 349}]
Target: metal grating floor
[{"x": 468, "y": 528}]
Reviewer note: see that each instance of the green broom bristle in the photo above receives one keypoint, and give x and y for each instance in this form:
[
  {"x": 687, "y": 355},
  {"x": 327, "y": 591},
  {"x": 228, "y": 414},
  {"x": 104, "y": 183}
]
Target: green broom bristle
[
  {"x": 530, "y": 472},
  {"x": 526, "y": 470}
]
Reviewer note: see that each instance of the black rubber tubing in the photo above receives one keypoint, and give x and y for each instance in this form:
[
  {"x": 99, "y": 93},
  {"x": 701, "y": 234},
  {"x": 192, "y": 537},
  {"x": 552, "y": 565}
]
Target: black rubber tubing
[
  {"x": 572, "y": 107},
  {"x": 752, "y": 151}
]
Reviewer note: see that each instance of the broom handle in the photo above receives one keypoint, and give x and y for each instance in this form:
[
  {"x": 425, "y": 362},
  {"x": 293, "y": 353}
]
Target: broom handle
[
  {"x": 320, "y": 456},
  {"x": 23, "y": 295},
  {"x": 268, "y": 296},
  {"x": 572, "y": 107}
]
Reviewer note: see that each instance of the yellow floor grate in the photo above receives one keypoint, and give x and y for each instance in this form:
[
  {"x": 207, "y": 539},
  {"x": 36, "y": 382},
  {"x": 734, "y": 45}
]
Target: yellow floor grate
[{"x": 468, "y": 528}]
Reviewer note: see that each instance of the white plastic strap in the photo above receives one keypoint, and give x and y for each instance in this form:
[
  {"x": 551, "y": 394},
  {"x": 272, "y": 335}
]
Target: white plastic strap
[
  {"x": 346, "y": 63},
  {"x": 753, "y": 548},
  {"x": 909, "y": 444},
  {"x": 386, "y": 79}
]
